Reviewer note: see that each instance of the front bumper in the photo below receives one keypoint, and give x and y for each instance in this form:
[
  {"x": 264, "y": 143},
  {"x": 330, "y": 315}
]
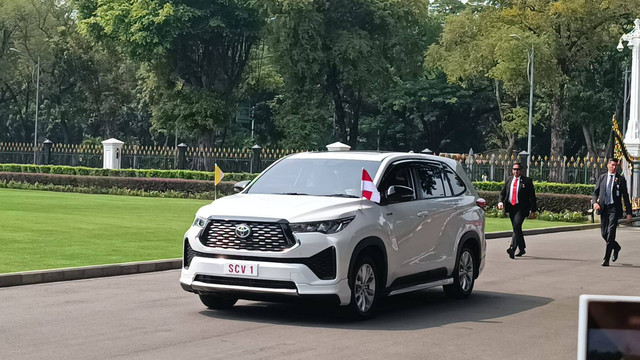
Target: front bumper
[{"x": 313, "y": 270}]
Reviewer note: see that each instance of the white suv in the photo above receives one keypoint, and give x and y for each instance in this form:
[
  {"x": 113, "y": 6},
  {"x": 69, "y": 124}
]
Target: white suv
[{"x": 301, "y": 229}]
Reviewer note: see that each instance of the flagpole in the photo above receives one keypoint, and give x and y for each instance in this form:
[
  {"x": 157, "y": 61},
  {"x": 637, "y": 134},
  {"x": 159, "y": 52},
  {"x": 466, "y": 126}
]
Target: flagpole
[{"x": 361, "y": 188}]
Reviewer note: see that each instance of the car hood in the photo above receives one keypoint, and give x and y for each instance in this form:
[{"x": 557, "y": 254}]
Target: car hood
[{"x": 294, "y": 208}]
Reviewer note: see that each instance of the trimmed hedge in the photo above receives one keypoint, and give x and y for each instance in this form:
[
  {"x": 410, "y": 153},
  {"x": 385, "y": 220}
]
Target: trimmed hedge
[
  {"x": 112, "y": 191},
  {"x": 541, "y": 187},
  {"x": 136, "y": 173},
  {"x": 555, "y": 203},
  {"x": 107, "y": 182}
]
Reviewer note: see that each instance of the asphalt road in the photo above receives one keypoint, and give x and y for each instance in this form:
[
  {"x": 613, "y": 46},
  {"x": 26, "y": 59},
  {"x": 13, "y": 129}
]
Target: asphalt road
[{"x": 521, "y": 309}]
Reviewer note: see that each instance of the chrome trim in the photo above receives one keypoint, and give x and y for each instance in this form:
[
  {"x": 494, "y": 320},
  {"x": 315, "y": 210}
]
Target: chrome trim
[
  {"x": 422, "y": 286},
  {"x": 201, "y": 286}
]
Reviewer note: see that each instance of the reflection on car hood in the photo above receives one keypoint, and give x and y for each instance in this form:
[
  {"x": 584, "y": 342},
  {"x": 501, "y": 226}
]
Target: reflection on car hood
[{"x": 294, "y": 208}]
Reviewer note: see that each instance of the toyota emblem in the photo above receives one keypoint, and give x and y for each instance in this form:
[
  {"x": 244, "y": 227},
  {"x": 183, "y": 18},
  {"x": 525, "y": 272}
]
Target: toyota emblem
[{"x": 243, "y": 231}]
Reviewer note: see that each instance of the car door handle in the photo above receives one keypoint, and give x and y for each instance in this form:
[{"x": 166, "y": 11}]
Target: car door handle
[{"x": 423, "y": 213}]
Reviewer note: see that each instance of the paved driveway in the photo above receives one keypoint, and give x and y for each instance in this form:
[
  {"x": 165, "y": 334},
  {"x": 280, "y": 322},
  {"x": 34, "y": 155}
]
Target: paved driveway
[{"x": 521, "y": 309}]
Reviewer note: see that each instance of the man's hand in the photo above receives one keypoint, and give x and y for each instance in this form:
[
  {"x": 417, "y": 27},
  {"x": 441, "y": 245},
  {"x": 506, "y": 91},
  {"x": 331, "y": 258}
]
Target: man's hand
[
  {"x": 532, "y": 215},
  {"x": 596, "y": 206},
  {"x": 500, "y": 205},
  {"x": 628, "y": 218}
]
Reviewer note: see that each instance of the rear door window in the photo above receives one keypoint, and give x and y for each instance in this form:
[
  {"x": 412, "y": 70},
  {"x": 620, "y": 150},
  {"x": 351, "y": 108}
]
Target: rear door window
[{"x": 430, "y": 180}]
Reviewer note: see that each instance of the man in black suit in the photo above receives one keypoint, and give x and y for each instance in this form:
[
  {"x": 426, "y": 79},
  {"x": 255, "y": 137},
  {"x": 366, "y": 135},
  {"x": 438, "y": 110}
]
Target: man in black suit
[
  {"x": 610, "y": 190},
  {"x": 518, "y": 198}
]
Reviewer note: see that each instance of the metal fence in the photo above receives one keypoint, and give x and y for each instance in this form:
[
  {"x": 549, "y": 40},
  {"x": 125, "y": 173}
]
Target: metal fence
[
  {"x": 572, "y": 170},
  {"x": 234, "y": 160},
  {"x": 231, "y": 160}
]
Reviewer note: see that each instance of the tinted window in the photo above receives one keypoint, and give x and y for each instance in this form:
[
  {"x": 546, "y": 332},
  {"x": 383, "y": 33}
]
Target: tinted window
[
  {"x": 430, "y": 181},
  {"x": 457, "y": 185},
  {"x": 323, "y": 177},
  {"x": 398, "y": 176}
]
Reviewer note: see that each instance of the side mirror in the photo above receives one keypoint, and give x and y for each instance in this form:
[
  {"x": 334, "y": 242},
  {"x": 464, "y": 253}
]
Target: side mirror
[
  {"x": 399, "y": 193},
  {"x": 240, "y": 185}
]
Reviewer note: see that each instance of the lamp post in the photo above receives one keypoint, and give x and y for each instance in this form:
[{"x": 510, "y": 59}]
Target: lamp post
[
  {"x": 35, "y": 131},
  {"x": 530, "y": 56},
  {"x": 632, "y": 136}
]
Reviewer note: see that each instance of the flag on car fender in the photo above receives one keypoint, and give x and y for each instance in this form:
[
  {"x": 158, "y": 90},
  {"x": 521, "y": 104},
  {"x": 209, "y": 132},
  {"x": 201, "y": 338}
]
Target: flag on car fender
[
  {"x": 217, "y": 175},
  {"x": 369, "y": 190}
]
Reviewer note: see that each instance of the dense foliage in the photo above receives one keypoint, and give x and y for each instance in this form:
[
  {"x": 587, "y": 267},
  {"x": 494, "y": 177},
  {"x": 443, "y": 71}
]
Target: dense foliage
[{"x": 376, "y": 74}]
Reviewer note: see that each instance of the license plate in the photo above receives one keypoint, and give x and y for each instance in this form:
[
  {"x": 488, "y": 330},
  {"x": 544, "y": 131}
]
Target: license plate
[{"x": 241, "y": 268}]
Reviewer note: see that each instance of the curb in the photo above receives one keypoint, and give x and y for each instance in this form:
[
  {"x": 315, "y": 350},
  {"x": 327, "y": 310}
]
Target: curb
[
  {"x": 549, "y": 230},
  {"x": 88, "y": 272}
]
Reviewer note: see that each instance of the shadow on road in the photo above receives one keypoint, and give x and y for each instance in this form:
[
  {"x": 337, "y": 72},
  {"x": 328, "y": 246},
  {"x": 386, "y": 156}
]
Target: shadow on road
[{"x": 419, "y": 310}]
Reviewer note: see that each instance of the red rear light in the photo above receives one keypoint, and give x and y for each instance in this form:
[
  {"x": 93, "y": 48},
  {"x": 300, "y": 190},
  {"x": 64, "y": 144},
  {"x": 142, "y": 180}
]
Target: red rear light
[{"x": 481, "y": 202}]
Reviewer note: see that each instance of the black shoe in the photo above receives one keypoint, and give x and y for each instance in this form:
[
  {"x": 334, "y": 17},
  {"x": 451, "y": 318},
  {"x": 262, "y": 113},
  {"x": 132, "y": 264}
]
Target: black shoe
[
  {"x": 615, "y": 253},
  {"x": 605, "y": 263},
  {"x": 520, "y": 253},
  {"x": 510, "y": 252}
]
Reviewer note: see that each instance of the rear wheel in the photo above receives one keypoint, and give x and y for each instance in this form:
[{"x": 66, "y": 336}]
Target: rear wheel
[
  {"x": 365, "y": 291},
  {"x": 463, "y": 276},
  {"x": 217, "y": 302}
]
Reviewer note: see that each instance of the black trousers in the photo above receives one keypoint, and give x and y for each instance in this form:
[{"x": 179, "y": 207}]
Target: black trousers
[
  {"x": 517, "y": 216},
  {"x": 608, "y": 226}
]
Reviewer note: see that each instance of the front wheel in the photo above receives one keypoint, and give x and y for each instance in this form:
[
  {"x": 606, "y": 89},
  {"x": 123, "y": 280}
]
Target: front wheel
[
  {"x": 364, "y": 288},
  {"x": 217, "y": 302},
  {"x": 463, "y": 276}
]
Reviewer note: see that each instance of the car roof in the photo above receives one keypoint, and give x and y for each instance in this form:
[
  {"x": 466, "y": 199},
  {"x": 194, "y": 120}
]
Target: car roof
[{"x": 379, "y": 156}]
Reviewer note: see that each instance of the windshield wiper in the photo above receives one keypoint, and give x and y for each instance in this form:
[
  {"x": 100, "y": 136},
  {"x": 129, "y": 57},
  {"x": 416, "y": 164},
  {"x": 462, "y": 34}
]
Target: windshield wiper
[
  {"x": 290, "y": 193},
  {"x": 342, "y": 195}
]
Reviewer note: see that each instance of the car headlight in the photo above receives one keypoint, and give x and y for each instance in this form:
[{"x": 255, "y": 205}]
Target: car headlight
[
  {"x": 199, "y": 222},
  {"x": 325, "y": 227}
]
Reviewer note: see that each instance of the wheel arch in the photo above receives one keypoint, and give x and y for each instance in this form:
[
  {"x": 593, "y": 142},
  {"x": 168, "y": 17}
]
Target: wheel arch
[
  {"x": 471, "y": 239},
  {"x": 375, "y": 247}
]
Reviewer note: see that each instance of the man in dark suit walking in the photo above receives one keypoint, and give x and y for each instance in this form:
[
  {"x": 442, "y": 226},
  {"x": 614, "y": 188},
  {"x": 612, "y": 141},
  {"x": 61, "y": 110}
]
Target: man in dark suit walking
[
  {"x": 518, "y": 199},
  {"x": 610, "y": 190}
]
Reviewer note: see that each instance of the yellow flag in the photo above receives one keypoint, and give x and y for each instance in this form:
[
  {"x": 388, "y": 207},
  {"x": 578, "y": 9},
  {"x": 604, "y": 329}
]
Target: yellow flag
[{"x": 217, "y": 175}]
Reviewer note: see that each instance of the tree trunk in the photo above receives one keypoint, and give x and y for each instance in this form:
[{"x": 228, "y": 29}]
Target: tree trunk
[
  {"x": 355, "y": 121},
  {"x": 557, "y": 135},
  {"x": 587, "y": 131}
]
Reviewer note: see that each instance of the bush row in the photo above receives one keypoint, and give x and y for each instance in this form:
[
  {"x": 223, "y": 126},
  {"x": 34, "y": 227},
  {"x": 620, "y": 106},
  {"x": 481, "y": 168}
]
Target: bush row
[
  {"x": 136, "y": 173},
  {"x": 555, "y": 203},
  {"x": 541, "y": 187},
  {"x": 567, "y": 216},
  {"x": 111, "y": 191},
  {"x": 107, "y": 182}
]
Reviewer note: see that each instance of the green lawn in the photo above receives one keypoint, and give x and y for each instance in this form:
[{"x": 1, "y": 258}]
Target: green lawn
[
  {"x": 504, "y": 224},
  {"x": 47, "y": 230}
]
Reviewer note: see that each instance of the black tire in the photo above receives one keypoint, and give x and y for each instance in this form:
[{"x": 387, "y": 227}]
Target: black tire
[
  {"x": 364, "y": 281},
  {"x": 463, "y": 275},
  {"x": 217, "y": 302}
]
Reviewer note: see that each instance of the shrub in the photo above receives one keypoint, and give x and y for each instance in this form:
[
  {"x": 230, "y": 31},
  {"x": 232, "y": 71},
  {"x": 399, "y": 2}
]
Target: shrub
[
  {"x": 555, "y": 203},
  {"x": 541, "y": 187},
  {"x": 108, "y": 182},
  {"x": 138, "y": 173}
]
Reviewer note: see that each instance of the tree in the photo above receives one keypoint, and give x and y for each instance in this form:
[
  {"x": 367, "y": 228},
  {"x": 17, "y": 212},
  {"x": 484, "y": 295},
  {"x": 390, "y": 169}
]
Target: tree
[
  {"x": 343, "y": 51},
  {"x": 567, "y": 36},
  {"x": 194, "y": 52}
]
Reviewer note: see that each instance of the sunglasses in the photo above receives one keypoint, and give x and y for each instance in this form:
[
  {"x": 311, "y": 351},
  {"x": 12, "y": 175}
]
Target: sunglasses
[{"x": 516, "y": 169}]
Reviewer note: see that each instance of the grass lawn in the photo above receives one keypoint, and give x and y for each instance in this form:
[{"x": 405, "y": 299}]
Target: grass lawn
[
  {"x": 504, "y": 224},
  {"x": 46, "y": 230}
]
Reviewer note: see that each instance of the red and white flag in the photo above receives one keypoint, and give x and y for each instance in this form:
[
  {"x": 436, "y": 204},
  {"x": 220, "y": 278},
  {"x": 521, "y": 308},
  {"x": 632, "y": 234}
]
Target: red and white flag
[{"x": 369, "y": 190}]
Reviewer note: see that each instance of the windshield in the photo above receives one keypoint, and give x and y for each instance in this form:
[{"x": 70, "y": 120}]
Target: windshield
[{"x": 321, "y": 177}]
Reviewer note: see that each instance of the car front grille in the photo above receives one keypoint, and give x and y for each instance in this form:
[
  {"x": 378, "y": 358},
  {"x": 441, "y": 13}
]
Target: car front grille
[{"x": 264, "y": 236}]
